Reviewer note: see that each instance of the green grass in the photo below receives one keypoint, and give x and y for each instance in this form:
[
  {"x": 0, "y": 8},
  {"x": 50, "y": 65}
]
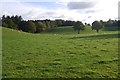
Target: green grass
[
  {"x": 60, "y": 52},
  {"x": 69, "y": 30},
  {"x": 111, "y": 28}
]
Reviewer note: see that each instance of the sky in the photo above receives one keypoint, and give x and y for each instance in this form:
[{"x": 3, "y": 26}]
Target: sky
[{"x": 82, "y": 10}]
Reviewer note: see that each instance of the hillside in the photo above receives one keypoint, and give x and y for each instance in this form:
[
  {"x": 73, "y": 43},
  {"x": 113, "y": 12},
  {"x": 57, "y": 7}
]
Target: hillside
[
  {"x": 69, "y": 30},
  {"x": 60, "y": 53}
]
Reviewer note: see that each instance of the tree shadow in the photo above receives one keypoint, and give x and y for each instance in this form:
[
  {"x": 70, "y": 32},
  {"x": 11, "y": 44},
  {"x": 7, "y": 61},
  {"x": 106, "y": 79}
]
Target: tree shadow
[{"x": 105, "y": 36}]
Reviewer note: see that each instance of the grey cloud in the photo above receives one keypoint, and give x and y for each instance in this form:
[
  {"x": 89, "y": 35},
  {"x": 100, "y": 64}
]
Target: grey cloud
[
  {"x": 86, "y": 11},
  {"x": 41, "y": 15},
  {"x": 49, "y": 13},
  {"x": 90, "y": 11},
  {"x": 80, "y": 5},
  {"x": 89, "y": 16},
  {"x": 60, "y": 16},
  {"x": 84, "y": 20},
  {"x": 117, "y": 18}
]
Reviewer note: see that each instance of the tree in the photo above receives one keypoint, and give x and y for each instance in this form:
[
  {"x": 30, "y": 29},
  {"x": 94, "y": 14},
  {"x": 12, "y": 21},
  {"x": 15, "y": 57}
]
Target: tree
[
  {"x": 22, "y": 25},
  {"x": 96, "y": 25},
  {"x": 88, "y": 24},
  {"x": 3, "y": 18},
  {"x": 30, "y": 27},
  {"x": 48, "y": 26},
  {"x": 10, "y": 23},
  {"x": 101, "y": 21},
  {"x": 4, "y": 24},
  {"x": 40, "y": 27},
  {"x": 68, "y": 23},
  {"x": 5, "y": 21},
  {"x": 59, "y": 22},
  {"x": 78, "y": 26},
  {"x": 17, "y": 19},
  {"x": 53, "y": 24}
]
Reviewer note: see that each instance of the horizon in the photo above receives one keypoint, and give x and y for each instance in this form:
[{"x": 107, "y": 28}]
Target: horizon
[{"x": 79, "y": 10}]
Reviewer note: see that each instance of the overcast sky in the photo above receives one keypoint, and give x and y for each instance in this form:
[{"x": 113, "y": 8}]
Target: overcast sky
[{"x": 83, "y": 10}]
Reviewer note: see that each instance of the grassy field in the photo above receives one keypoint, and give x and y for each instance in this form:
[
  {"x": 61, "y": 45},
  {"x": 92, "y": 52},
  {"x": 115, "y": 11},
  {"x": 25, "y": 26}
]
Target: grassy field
[{"x": 60, "y": 52}]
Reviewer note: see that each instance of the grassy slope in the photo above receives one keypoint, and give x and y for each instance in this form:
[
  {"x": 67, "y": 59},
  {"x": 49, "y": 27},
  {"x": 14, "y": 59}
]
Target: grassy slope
[
  {"x": 60, "y": 54},
  {"x": 69, "y": 30}
]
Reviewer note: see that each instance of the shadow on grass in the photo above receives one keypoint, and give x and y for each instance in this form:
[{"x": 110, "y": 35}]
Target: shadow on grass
[{"x": 104, "y": 36}]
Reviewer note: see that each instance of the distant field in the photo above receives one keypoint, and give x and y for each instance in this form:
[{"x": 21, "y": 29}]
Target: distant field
[
  {"x": 69, "y": 30},
  {"x": 60, "y": 52}
]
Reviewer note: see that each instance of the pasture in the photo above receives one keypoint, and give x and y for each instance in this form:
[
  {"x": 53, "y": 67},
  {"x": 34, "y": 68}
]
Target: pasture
[{"x": 60, "y": 53}]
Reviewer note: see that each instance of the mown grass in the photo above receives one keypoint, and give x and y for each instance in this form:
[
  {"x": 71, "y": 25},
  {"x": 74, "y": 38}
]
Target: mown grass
[{"x": 60, "y": 52}]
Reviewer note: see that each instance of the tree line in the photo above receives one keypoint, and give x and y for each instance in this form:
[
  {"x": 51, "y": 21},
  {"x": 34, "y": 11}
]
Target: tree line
[
  {"x": 32, "y": 26},
  {"x": 37, "y": 26}
]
